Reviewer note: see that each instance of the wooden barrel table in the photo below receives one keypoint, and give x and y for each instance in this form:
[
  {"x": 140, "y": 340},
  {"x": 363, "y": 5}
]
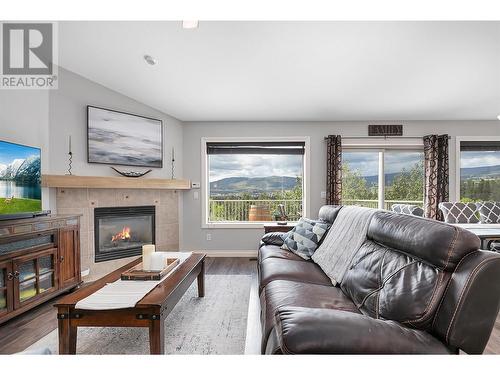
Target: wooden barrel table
[{"x": 259, "y": 213}]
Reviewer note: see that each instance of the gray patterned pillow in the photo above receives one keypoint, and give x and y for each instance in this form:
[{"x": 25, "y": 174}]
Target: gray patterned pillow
[
  {"x": 304, "y": 239},
  {"x": 459, "y": 213},
  {"x": 408, "y": 209},
  {"x": 489, "y": 212}
]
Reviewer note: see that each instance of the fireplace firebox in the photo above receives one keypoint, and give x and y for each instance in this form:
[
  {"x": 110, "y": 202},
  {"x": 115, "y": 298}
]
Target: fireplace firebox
[{"x": 120, "y": 232}]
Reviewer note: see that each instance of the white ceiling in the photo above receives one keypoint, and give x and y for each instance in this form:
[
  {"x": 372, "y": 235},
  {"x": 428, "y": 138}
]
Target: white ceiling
[{"x": 317, "y": 71}]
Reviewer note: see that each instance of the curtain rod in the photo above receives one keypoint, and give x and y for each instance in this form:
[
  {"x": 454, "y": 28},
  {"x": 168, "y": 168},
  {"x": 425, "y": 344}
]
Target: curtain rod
[{"x": 382, "y": 136}]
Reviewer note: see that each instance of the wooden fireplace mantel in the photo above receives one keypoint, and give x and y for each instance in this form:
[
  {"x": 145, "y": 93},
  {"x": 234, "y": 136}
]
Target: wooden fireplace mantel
[{"x": 72, "y": 181}]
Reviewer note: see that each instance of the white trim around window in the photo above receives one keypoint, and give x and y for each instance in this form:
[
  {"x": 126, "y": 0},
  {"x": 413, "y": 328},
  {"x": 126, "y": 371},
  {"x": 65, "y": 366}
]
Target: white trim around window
[
  {"x": 204, "y": 189},
  {"x": 458, "y": 161}
]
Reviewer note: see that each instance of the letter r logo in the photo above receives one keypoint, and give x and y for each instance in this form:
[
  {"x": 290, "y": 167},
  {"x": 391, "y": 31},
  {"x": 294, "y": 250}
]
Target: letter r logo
[{"x": 27, "y": 48}]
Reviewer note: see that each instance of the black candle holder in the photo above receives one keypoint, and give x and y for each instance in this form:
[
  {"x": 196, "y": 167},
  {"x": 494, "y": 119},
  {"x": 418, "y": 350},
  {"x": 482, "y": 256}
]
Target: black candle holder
[{"x": 70, "y": 162}]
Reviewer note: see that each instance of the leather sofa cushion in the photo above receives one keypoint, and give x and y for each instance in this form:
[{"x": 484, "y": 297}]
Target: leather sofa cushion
[
  {"x": 300, "y": 330},
  {"x": 272, "y": 251},
  {"x": 390, "y": 285},
  {"x": 284, "y": 269},
  {"x": 280, "y": 293},
  {"x": 434, "y": 242},
  {"x": 329, "y": 213}
]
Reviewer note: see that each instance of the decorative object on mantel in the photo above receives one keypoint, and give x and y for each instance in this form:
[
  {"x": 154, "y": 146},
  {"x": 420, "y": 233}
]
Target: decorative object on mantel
[
  {"x": 173, "y": 162},
  {"x": 385, "y": 130},
  {"x": 131, "y": 173},
  {"x": 70, "y": 157}
]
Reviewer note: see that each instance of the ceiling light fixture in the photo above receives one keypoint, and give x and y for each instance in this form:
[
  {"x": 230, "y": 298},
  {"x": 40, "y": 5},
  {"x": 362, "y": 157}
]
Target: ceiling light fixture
[
  {"x": 150, "y": 60},
  {"x": 189, "y": 24},
  {"x": 498, "y": 117}
]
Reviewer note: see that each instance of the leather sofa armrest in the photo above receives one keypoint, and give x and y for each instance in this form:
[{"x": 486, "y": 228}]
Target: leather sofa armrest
[{"x": 302, "y": 330}]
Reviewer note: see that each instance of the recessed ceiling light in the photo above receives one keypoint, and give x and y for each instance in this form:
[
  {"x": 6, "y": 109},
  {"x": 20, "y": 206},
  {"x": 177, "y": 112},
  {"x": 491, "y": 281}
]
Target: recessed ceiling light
[
  {"x": 189, "y": 24},
  {"x": 150, "y": 60}
]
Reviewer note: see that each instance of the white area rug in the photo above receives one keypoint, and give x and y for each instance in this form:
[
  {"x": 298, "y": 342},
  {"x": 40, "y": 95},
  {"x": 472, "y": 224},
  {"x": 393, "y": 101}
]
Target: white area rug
[{"x": 215, "y": 324}]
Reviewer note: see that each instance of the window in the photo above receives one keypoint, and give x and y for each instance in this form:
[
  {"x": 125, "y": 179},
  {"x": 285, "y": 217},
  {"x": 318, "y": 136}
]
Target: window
[
  {"x": 381, "y": 178},
  {"x": 360, "y": 178},
  {"x": 254, "y": 181},
  {"x": 479, "y": 170}
]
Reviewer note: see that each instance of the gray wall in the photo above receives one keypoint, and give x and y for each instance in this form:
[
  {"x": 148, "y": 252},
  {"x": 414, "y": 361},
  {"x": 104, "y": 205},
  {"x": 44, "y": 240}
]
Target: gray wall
[
  {"x": 24, "y": 118},
  {"x": 68, "y": 116},
  {"x": 194, "y": 237}
]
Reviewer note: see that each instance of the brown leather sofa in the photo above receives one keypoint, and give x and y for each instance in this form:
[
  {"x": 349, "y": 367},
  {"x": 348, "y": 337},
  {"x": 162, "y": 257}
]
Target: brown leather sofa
[{"x": 415, "y": 286}]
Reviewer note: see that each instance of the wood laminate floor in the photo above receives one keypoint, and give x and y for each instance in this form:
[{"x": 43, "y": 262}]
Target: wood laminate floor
[{"x": 21, "y": 332}]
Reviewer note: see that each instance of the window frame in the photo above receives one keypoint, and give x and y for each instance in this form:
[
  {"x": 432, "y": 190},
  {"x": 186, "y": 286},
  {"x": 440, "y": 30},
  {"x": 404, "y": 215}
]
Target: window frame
[
  {"x": 205, "y": 186},
  {"x": 458, "y": 141},
  {"x": 381, "y": 146}
]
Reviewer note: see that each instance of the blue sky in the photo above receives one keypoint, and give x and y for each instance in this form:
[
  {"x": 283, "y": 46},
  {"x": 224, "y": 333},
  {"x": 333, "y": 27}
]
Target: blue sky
[
  {"x": 367, "y": 162},
  {"x": 11, "y": 151},
  {"x": 470, "y": 159}
]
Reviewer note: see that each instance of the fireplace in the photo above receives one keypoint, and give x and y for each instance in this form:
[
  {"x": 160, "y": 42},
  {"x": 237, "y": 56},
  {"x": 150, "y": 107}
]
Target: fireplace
[{"x": 120, "y": 232}]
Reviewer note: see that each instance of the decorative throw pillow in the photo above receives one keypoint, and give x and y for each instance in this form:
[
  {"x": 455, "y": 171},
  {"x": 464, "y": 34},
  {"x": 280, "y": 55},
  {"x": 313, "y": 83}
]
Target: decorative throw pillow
[
  {"x": 274, "y": 238},
  {"x": 489, "y": 212},
  {"x": 459, "y": 213},
  {"x": 305, "y": 238}
]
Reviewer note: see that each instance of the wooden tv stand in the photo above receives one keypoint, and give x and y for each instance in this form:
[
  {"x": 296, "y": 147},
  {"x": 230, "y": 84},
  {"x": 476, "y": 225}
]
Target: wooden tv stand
[{"x": 39, "y": 259}]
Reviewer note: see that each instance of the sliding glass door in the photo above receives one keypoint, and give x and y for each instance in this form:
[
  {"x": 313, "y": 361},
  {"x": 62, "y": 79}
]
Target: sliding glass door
[
  {"x": 383, "y": 177},
  {"x": 404, "y": 178},
  {"x": 360, "y": 178}
]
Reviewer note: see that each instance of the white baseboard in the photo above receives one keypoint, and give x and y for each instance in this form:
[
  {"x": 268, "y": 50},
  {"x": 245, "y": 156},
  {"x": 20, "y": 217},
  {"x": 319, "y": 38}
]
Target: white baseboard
[{"x": 230, "y": 253}]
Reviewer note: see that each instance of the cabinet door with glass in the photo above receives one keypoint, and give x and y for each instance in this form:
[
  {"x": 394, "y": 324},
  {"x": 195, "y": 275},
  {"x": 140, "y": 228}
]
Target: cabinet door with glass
[
  {"x": 34, "y": 276},
  {"x": 6, "y": 278}
]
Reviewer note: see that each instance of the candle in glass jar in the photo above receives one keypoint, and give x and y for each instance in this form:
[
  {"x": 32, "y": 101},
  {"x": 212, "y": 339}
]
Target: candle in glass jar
[{"x": 147, "y": 250}]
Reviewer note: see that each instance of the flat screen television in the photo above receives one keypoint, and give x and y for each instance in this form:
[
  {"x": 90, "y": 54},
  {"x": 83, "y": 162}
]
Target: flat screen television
[{"x": 20, "y": 180}]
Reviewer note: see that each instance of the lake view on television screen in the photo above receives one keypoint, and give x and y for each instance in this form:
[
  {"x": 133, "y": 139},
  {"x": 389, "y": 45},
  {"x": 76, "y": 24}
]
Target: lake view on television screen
[{"x": 20, "y": 179}]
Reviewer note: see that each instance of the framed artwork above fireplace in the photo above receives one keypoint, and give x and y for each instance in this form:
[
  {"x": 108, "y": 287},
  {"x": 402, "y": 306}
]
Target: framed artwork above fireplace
[{"x": 121, "y": 138}]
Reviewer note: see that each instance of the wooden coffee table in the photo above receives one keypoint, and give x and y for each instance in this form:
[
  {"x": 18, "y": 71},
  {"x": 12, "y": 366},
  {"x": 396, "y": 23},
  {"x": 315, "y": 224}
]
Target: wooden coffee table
[{"x": 150, "y": 312}]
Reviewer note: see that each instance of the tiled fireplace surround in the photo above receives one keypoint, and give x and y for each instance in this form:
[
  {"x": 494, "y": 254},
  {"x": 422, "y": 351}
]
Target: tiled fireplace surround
[{"x": 83, "y": 201}]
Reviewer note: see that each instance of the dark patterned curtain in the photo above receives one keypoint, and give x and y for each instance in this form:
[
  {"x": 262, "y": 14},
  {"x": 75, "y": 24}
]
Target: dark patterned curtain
[
  {"x": 436, "y": 167},
  {"x": 334, "y": 170}
]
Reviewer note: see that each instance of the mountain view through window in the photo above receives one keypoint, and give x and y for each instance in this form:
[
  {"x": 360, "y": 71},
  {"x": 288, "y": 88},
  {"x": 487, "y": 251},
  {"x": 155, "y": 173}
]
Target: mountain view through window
[
  {"x": 479, "y": 171},
  {"x": 403, "y": 176},
  {"x": 251, "y": 186}
]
